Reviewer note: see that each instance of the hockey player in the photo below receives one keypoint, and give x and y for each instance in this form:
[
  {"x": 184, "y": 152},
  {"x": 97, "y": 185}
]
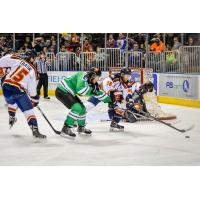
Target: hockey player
[
  {"x": 19, "y": 89},
  {"x": 68, "y": 90},
  {"x": 117, "y": 87},
  {"x": 136, "y": 102}
]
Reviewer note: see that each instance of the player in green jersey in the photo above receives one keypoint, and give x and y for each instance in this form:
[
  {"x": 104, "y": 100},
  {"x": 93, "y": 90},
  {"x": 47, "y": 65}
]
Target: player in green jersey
[{"x": 68, "y": 90}]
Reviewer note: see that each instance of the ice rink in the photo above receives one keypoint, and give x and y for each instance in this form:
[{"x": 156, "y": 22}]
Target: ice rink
[{"x": 142, "y": 143}]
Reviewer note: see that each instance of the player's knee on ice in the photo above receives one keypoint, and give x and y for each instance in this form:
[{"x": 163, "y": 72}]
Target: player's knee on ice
[{"x": 113, "y": 115}]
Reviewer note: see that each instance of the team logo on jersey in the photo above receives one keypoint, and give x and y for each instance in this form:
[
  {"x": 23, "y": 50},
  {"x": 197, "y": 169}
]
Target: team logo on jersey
[{"x": 185, "y": 86}]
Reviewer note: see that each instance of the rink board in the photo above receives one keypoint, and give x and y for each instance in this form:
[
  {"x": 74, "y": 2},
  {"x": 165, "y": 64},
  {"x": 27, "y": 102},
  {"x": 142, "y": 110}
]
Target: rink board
[{"x": 178, "y": 89}]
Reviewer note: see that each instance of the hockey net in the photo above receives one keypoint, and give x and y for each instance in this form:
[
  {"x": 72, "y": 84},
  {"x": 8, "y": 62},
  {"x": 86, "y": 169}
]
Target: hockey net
[{"x": 143, "y": 75}]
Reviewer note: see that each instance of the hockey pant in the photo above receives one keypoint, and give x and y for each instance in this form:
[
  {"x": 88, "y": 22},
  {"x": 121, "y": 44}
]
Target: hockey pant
[
  {"x": 77, "y": 109},
  {"x": 19, "y": 99}
]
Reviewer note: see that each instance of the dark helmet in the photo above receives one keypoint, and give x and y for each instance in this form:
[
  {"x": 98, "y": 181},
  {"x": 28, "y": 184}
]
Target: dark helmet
[
  {"x": 30, "y": 54},
  {"x": 149, "y": 86},
  {"x": 94, "y": 71},
  {"x": 125, "y": 70}
]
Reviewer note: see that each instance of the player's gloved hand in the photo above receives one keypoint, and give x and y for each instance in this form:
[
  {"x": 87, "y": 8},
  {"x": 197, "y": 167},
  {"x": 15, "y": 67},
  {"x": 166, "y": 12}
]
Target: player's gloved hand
[
  {"x": 129, "y": 97},
  {"x": 142, "y": 90},
  {"x": 35, "y": 100},
  {"x": 119, "y": 111},
  {"x": 147, "y": 87},
  {"x": 130, "y": 104},
  {"x": 138, "y": 107},
  {"x": 95, "y": 88}
]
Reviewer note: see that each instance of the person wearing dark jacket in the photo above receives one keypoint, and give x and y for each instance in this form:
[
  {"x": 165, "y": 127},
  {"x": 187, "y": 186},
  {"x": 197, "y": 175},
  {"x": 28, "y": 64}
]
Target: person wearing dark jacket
[{"x": 42, "y": 67}]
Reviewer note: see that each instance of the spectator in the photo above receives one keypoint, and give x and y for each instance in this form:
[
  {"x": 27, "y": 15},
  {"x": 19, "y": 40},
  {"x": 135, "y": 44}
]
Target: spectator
[
  {"x": 77, "y": 52},
  {"x": 21, "y": 50},
  {"x": 136, "y": 48},
  {"x": 100, "y": 57},
  {"x": 36, "y": 45},
  {"x": 121, "y": 42},
  {"x": 26, "y": 47},
  {"x": 52, "y": 57},
  {"x": 190, "y": 41},
  {"x": 28, "y": 42},
  {"x": 87, "y": 47},
  {"x": 63, "y": 58},
  {"x": 75, "y": 41},
  {"x": 45, "y": 49},
  {"x": 42, "y": 66},
  {"x": 75, "y": 38},
  {"x": 42, "y": 42},
  {"x": 48, "y": 43},
  {"x": 63, "y": 49},
  {"x": 53, "y": 50},
  {"x": 6, "y": 49},
  {"x": 53, "y": 45},
  {"x": 157, "y": 45},
  {"x": 177, "y": 44},
  {"x": 139, "y": 38},
  {"x": 136, "y": 58},
  {"x": 53, "y": 38},
  {"x": 1, "y": 46},
  {"x": 67, "y": 46},
  {"x": 110, "y": 42}
]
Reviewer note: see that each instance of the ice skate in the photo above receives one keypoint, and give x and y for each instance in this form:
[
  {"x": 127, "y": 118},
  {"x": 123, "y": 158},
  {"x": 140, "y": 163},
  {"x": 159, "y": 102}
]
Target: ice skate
[
  {"x": 36, "y": 133},
  {"x": 12, "y": 121},
  {"x": 83, "y": 130},
  {"x": 67, "y": 132},
  {"x": 116, "y": 127}
]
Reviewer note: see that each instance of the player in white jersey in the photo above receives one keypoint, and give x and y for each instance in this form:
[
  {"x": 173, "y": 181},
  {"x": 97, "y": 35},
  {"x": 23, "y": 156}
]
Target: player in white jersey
[
  {"x": 118, "y": 88},
  {"x": 132, "y": 93},
  {"x": 19, "y": 89},
  {"x": 121, "y": 87}
]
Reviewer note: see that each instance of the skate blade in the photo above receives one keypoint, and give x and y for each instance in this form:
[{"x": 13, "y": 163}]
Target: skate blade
[
  {"x": 39, "y": 140},
  {"x": 116, "y": 130},
  {"x": 84, "y": 134},
  {"x": 67, "y": 136},
  {"x": 11, "y": 125}
]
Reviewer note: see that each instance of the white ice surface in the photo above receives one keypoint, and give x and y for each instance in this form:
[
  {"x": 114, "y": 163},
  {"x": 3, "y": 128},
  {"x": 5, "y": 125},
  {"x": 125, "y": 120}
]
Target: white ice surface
[{"x": 142, "y": 143}]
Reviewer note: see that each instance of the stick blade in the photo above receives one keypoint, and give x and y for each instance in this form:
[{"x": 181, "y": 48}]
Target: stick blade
[
  {"x": 58, "y": 132},
  {"x": 188, "y": 129}
]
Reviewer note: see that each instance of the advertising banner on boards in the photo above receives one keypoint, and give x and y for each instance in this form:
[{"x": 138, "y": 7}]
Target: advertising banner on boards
[{"x": 179, "y": 86}]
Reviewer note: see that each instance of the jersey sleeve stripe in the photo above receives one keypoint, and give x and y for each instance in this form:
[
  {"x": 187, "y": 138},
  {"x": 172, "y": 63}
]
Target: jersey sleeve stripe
[{"x": 84, "y": 90}]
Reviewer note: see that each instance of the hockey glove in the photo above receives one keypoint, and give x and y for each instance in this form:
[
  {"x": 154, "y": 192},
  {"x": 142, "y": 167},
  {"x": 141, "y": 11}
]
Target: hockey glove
[
  {"x": 35, "y": 100},
  {"x": 95, "y": 88}
]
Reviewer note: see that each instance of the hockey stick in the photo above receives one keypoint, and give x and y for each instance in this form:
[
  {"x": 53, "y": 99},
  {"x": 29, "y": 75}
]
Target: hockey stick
[
  {"x": 138, "y": 116},
  {"x": 167, "y": 124},
  {"x": 55, "y": 131},
  {"x": 105, "y": 120}
]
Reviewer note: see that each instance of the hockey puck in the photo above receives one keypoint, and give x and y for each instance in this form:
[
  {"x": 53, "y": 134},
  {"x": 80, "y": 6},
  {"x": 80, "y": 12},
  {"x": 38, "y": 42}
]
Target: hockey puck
[{"x": 187, "y": 136}]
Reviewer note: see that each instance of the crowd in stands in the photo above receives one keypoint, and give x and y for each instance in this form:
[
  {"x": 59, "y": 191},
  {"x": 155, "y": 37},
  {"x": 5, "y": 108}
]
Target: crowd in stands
[
  {"x": 136, "y": 44},
  {"x": 74, "y": 42}
]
